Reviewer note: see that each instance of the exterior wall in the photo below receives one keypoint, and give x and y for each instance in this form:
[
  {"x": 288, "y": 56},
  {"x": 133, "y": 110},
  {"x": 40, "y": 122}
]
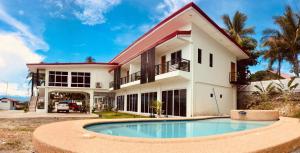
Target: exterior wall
[
  {"x": 207, "y": 78},
  {"x": 6, "y": 105},
  {"x": 250, "y": 88},
  {"x": 98, "y": 74},
  {"x": 156, "y": 87}
]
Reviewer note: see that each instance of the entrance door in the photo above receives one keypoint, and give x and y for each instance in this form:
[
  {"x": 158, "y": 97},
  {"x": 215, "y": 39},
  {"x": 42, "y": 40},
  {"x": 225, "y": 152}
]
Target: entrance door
[
  {"x": 233, "y": 72},
  {"x": 163, "y": 64}
]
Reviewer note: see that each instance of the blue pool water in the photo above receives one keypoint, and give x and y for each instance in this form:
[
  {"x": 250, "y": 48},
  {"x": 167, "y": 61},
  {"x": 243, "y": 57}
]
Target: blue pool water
[{"x": 175, "y": 129}]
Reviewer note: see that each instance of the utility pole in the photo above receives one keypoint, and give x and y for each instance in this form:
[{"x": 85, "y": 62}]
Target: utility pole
[{"x": 6, "y": 89}]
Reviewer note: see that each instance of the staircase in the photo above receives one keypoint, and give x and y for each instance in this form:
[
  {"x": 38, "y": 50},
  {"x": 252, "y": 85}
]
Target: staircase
[{"x": 32, "y": 103}]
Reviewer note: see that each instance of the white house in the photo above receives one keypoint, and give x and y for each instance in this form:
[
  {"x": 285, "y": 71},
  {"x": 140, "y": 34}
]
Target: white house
[
  {"x": 186, "y": 61},
  {"x": 8, "y": 103}
]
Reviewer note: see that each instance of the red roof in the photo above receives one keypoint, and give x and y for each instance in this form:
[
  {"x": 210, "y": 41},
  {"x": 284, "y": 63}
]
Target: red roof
[{"x": 190, "y": 5}]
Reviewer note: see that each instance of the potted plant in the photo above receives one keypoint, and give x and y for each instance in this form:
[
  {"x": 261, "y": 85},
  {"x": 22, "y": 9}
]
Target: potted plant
[{"x": 157, "y": 107}]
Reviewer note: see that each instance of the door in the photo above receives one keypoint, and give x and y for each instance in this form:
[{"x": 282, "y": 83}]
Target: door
[
  {"x": 163, "y": 64},
  {"x": 232, "y": 72}
]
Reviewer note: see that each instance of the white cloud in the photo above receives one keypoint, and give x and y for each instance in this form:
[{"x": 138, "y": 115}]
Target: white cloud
[
  {"x": 167, "y": 7},
  {"x": 14, "y": 55},
  {"x": 16, "y": 49},
  {"x": 32, "y": 40},
  {"x": 13, "y": 89},
  {"x": 92, "y": 11}
]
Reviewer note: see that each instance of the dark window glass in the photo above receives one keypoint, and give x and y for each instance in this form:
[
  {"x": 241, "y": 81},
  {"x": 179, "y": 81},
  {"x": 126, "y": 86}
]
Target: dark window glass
[
  {"x": 211, "y": 60},
  {"x": 176, "y": 103},
  {"x": 56, "y": 78},
  {"x": 81, "y": 79},
  {"x": 175, "y": 57},
  {"x": 146, "y": 103},
  {"x": 143, "y": 103},
  {"x": 164, "y": 102},
  {"x": 182, "y": 96},
  {"x": 170, "y": 103},
  {"x": 199, "y": 56},
  {"x": 51, "y": 78}
]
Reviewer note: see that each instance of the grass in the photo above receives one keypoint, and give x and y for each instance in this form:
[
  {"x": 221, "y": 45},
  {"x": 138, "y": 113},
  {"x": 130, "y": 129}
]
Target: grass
[{"x": 116, "y": 115}]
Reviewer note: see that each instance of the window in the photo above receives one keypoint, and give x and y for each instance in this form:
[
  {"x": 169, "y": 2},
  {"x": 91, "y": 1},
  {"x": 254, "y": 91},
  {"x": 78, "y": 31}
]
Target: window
[
  {"x": 175, "y": 57},
  {"x": 58, "y": 78},
  {"x": 211, "y": 60},
  {"x": 120, "y": 102},
  {"x": 199, "y": 56},
  {"x": 146, "y": 102},
  {"x": 80, "y": 79},
  {"x": 174, "y": 102},
  {"x": 132, "y": 101}
]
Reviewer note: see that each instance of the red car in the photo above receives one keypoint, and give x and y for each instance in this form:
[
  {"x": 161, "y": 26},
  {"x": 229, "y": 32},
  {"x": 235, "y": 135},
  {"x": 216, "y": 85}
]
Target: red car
[{"x": 73, "y": 107}]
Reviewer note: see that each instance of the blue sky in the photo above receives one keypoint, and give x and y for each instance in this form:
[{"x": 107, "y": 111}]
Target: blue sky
[{"x": 71, "y": 30}]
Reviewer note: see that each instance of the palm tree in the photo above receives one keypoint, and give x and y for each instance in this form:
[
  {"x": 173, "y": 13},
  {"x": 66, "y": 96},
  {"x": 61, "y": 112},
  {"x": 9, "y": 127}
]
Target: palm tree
[
  {"x": 288, "y": 35},
  {"x": 276, "y": 51},
  {"x": 236, "y": 28},
  {"x": 287, "y": 91},
  {"x": 90, "y": 59}
]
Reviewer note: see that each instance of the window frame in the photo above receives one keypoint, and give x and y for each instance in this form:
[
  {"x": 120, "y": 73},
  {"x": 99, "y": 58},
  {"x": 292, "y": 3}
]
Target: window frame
[{"x": 54, "y": 76}]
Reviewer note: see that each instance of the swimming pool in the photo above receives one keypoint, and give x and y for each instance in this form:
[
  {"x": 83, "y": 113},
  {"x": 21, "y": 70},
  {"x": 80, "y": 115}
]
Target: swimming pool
[{"x": 175, "y": 129}]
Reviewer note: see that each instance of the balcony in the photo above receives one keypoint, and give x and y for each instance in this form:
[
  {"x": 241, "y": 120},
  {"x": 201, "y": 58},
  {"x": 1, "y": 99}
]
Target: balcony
[
  {"x": 160, "y": 69},
  {"x": 233, "y": 77},
  {"x": 173, "y": 65}
]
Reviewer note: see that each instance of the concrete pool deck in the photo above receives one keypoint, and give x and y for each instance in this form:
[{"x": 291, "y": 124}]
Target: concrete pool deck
[{"x": 70, "y": 136}]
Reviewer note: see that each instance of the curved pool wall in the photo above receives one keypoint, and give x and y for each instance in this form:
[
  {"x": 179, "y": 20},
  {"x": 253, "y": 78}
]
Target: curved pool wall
[
  {"x": 255, "y": 115},
  {"x": 175, "y": 129}
]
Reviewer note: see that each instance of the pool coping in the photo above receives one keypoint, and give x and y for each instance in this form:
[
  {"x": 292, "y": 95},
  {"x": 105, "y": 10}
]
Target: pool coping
[{"x": 84, "y": 137}]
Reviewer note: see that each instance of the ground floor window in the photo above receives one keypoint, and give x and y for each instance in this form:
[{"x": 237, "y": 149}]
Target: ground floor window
[
  {"x": 174, "y": 102},
  {"x": 132, "y": 102},
  {"x": 146, "y": 102},
  {"x": 120, "y": 102}
]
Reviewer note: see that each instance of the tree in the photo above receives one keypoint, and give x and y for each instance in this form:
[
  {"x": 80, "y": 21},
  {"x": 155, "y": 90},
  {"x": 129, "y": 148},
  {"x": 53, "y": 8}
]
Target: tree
[
  {"x": 235, "y": 27},
  {"x": 276, "y": 51},
  {"x": 264, "y": 75},
  {"x": 286, "y": 38},
  {"x": 90, "y": 59},
  {"x": 287, "y": 91},
  {"x": 265, "y": 93}
]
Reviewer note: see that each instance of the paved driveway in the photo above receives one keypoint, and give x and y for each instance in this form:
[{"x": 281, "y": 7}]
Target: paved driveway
[{"x": 21, "y": 114}]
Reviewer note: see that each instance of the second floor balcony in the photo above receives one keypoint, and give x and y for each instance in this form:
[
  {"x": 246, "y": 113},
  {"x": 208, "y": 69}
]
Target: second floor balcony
[{"x": 160, "y": 69}]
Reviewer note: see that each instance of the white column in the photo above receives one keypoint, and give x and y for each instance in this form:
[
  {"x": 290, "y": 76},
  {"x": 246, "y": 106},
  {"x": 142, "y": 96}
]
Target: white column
[
  {"x": 46, "y": 100},
  {"x": 139, "y": 101},
  {"x": 69, "y": 78},
  {"x": 125, "y": 101},
  {"x": 91, "y": 100}
]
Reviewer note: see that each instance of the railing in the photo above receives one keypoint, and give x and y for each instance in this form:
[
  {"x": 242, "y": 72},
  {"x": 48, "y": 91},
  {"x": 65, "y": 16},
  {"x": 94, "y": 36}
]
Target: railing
[
  {"x": 135, "y": 76},
  {"x": 124, "y": 80},
  {"x": 173, "y": 65},
  {"x": 169, "y": 66},
  {"x": 233, "y": 77},
  {"x": 111, "y": 84}
]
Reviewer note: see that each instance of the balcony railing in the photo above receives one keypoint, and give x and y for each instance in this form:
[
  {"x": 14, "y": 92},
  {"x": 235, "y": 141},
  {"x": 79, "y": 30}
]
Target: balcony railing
[
  {"x": 135, "y": 76},
  {"x": 111, "y": 84},
  {"x": 233, "y": 77},
  {"x": 169, "y": 66},
  {"x": 173, "y": 65}
]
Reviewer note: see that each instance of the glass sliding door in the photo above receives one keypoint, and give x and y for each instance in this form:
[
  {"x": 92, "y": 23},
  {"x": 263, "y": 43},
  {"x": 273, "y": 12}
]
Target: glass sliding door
[
  {"x": 164, "y": 102},
  {"x": 132, "y": 102},
  {"x": 120, "y": 102},
  {"x": 174, "y": 102},
  {"x": 170, "y": 102},
  {"x": 147, "y": 99},
  {"x": 182, "y": 96}
]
